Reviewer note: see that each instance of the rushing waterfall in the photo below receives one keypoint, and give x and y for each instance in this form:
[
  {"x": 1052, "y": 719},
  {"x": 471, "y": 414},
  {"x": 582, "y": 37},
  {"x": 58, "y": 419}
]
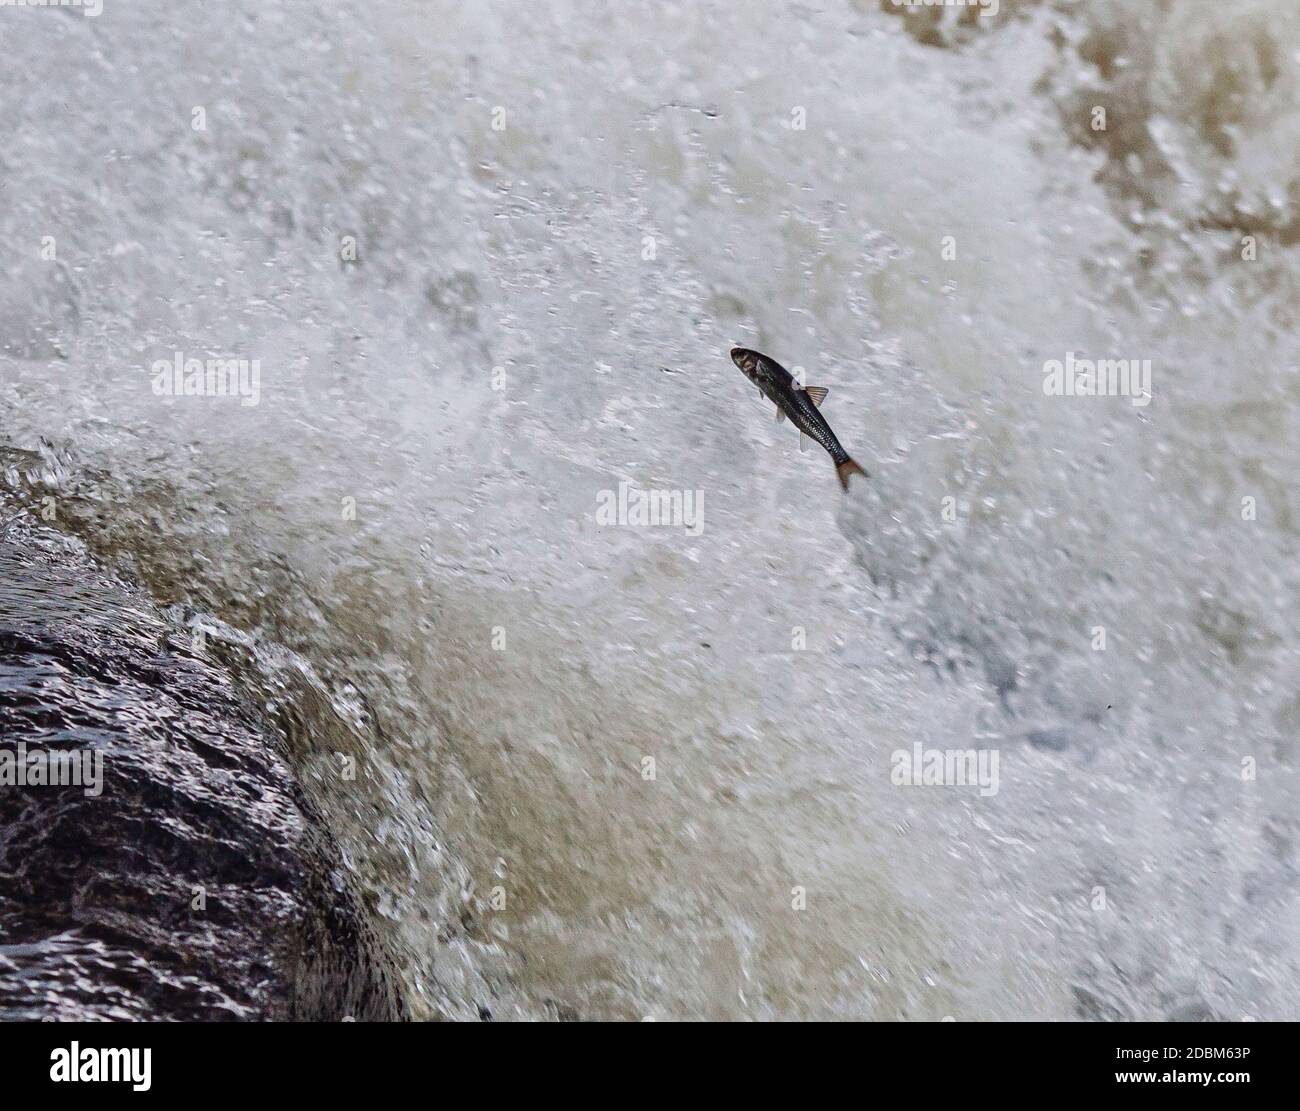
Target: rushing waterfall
[{"x": 367, "y": 347}]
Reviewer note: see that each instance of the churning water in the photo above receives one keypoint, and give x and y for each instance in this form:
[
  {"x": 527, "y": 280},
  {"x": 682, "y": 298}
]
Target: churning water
[{"x": 489, "y": 259}]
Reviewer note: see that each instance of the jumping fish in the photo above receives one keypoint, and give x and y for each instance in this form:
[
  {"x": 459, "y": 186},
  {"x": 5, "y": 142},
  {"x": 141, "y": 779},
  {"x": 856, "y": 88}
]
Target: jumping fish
[{"x": 802, "y": 404}]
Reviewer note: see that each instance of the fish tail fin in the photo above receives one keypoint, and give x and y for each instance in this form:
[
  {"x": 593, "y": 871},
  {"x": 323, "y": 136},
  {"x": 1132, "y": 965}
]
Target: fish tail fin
[{"x": 848, "y": 467}]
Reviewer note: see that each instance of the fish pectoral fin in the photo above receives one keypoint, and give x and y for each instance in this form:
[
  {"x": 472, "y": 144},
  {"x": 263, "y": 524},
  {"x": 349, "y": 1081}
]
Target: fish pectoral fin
[
  {"x": 804, "y": 441},
  {"x": 780, "y": 414},
  {"x": 817, "y": 393}
]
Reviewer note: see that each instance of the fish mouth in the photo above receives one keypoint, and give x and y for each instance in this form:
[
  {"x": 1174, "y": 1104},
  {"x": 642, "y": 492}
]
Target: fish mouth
[{"x": 744, "y": 358}]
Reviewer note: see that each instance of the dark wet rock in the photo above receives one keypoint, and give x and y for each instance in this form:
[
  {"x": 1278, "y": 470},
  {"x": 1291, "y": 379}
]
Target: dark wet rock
[{"x": 199, "y": 883}]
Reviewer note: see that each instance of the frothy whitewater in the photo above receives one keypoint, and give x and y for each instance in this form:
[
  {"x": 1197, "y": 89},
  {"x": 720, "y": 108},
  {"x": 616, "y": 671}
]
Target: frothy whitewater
[{"x": 489, "y": 259}]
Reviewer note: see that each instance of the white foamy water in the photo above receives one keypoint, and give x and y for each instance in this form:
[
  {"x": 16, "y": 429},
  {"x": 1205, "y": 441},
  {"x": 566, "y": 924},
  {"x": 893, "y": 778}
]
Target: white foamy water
[{"x": 402, "y": 537}]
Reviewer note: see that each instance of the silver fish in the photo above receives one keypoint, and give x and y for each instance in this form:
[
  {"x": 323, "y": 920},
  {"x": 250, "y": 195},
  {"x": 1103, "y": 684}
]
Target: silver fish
[{"x": 800, "y": 403}]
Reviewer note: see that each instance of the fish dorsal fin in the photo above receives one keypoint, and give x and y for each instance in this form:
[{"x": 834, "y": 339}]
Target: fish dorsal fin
[
  {"x": 804, "y": 441},
  {"x": 780, "y": 414},
  {"x": 817, "y": 393}
]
